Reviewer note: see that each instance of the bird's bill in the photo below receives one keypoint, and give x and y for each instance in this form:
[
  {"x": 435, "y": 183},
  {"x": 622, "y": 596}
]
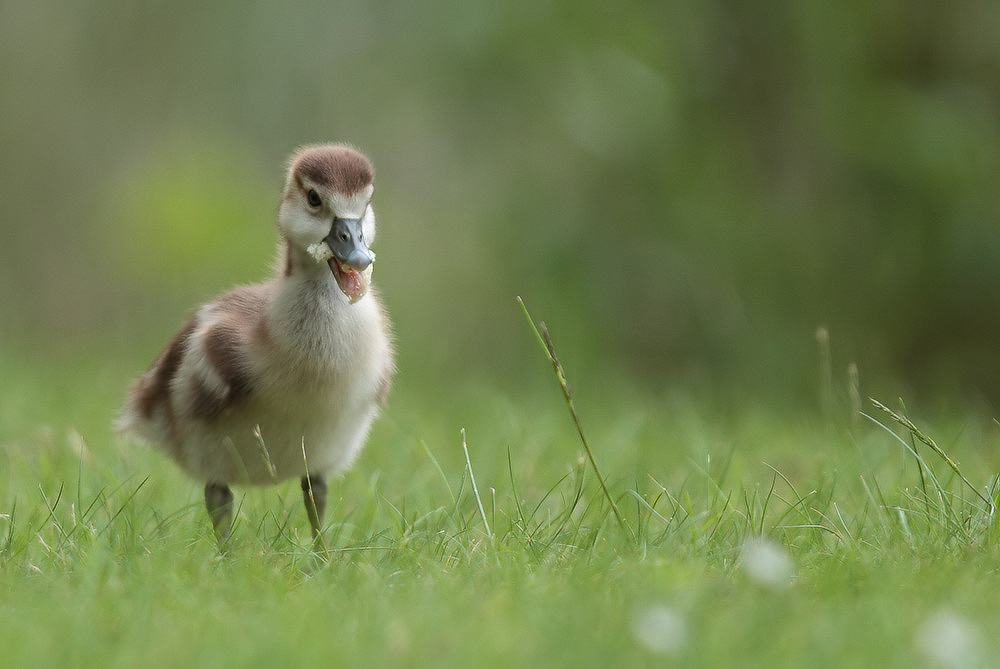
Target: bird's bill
[{"x": 352, "y": 260}]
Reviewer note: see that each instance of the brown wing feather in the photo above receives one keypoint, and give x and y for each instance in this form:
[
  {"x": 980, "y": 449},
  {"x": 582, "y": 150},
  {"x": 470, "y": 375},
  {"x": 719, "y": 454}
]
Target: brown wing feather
[
  {"x": 224, "y": 351},
  {"x": 153, "y": 388}
]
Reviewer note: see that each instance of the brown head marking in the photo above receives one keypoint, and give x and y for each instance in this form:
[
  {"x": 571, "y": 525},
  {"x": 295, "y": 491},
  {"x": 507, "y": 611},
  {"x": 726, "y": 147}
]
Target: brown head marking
[{"x": 335, "y": 166}]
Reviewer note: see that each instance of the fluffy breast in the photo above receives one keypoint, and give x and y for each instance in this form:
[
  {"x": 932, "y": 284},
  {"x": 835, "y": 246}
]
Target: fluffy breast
[{"x": 261, "y": 373}]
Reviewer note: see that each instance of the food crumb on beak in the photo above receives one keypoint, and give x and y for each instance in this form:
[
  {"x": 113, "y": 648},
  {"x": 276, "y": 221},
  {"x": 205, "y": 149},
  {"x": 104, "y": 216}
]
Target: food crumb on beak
[{"x": 320, "y": 251}]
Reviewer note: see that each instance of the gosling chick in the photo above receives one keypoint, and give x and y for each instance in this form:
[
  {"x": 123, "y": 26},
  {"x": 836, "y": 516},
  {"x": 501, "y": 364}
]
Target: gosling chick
[{"x": 281, "y": 379}]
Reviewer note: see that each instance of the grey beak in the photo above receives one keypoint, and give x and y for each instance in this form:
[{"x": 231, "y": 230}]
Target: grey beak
[{"x": 347, "y": 241}]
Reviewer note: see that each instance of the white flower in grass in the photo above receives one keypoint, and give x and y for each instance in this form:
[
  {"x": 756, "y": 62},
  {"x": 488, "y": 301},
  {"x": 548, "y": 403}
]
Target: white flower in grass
[
  {"x": 949, "y": 640},
  {"x": 767, "y": 563},
  {"x": 660, "y": 629}
]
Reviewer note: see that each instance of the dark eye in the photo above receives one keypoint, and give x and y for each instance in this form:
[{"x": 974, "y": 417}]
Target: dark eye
[{"x": 313, "y": 198}]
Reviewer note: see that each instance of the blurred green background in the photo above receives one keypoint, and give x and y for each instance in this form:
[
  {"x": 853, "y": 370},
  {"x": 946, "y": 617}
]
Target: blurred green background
[{"x": 685, "y": 192}]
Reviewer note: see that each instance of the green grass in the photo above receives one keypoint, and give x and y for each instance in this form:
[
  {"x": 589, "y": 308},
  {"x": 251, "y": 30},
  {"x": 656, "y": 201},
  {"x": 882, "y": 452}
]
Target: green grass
[{"x": 747, "y": 536}]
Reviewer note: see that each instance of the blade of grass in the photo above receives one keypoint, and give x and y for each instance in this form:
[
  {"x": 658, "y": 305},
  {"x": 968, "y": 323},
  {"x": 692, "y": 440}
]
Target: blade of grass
[
  {"x": 920, "y": 467},
  {"x": 927, "y": 441},
  {"x": 475, "y": 488},
  {"x": 122, "y": 507},
  {"x": 10, "y": 517},
  {"x": 517, "y": 496},
  {"x": 52, "y": 509},
  {"x": 319, "y": 541},
  {"x": 440, "y": 471},
  {"x": 542, "y": 334}
]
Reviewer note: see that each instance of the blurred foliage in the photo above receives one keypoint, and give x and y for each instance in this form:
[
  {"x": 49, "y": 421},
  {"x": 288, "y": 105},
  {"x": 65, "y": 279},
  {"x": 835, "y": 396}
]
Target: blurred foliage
[
  {"x": 174, "y": 208},
  {"x": 685, "y": 191}
]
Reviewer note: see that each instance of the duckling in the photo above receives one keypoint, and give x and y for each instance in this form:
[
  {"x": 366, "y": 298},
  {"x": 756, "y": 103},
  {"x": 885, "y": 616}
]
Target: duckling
[{"x": 281, "y": 379}]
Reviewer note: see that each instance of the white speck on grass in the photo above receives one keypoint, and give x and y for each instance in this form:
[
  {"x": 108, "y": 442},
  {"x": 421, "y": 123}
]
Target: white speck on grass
[
  {"x": 767, "y": 563},
  {"x": 949, "y": 640},
  {"x": 660, "y": 629}
]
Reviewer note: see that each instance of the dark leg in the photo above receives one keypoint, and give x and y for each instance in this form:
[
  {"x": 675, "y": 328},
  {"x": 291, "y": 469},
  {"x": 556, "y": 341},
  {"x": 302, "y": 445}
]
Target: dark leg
[
  {"x": 314, "y": 494},
  {"x": 219, "y": 502}
]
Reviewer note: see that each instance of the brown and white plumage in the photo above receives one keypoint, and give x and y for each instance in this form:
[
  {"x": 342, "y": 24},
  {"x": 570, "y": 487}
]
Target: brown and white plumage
[{"x": 281, "y": 379}]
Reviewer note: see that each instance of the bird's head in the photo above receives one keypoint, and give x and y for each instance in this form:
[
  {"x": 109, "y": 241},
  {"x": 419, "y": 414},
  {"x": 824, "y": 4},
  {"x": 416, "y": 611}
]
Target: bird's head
[{"x": 326, "y": 211}]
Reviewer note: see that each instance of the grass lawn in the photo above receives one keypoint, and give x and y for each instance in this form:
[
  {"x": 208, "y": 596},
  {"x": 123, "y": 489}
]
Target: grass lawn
[{"x": 747, "y": 537}]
